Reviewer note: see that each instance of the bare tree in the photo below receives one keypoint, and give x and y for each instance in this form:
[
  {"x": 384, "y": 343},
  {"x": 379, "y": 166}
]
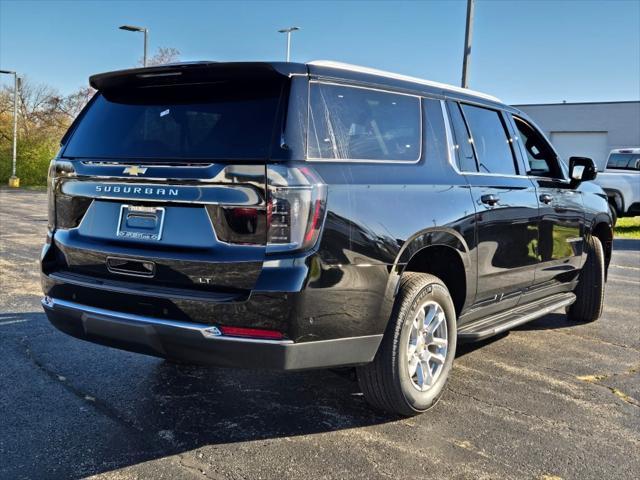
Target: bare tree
[
  {"x": 34, "y": 105},
  {"x": 72, "y": 104},
  {"x": 163, "y": 56},
  {"x": 43, "y": 117},
  {"x": 42, "y": 111}
]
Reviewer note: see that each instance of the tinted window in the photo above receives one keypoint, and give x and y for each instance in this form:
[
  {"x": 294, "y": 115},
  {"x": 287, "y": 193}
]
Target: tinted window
[
  {"x": 490, "y": 140},
  {"x": 195, "y": 122},
  {"x": 464, "y": 150},
  {"x": 435, "y": 146},
  {"x": 542, "y": 160},
  {"x": 624, "y": 160},
  {"x": 362, "y": 124}
]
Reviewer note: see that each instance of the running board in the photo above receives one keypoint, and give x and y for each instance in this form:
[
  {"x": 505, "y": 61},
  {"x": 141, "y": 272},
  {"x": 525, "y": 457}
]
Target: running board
[{"x": 487, "y": 327}]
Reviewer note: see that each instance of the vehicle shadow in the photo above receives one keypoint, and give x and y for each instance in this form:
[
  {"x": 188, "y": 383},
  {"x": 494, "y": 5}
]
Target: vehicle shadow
[
  {"x": 548, "y": 322},
  {"x": 243, "y": 405},
  {"x": 551, "y": 321},
  {"x": 82, "y": 409},
  {"x": 465, "y": 348}
]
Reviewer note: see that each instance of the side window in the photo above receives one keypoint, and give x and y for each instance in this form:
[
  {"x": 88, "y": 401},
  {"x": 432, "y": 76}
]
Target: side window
[
  {"x": 435, "y": 142},
  {"x": 490, "y": 140},
  {"x": 462, "y": 140},
  {"x": 541, "y": 159},
  {"x": 362, "y": 124}
]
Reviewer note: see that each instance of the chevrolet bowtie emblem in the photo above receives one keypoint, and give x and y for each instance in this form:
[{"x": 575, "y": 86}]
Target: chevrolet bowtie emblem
[{"x": 135, "y": 170}]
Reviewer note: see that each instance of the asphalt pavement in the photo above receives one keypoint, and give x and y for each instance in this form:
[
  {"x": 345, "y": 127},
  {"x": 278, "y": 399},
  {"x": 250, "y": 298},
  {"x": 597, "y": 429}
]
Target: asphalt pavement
[{"x": 548, "y": 400}]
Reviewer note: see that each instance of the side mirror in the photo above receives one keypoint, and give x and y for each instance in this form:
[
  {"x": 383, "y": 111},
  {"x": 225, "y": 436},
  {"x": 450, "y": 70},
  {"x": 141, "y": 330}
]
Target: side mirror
[{"x": 581, "y": 169}]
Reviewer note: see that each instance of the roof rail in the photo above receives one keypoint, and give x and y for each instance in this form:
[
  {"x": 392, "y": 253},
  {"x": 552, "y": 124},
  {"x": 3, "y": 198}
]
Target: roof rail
[{"x": 397, "y": 76}]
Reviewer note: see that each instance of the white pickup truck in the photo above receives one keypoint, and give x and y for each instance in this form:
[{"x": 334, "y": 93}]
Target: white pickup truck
[{"x": 620, "y": 179}]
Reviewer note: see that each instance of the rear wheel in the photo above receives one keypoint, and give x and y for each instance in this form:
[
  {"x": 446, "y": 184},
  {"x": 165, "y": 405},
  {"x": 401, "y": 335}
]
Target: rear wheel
[
  {"x": 590, "y": 289},
  {"x": 415, "y": 357}
]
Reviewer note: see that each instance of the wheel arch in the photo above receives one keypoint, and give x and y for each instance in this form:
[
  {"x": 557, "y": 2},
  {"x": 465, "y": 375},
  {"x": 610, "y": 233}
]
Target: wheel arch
[{"x": 442, "y": 252}]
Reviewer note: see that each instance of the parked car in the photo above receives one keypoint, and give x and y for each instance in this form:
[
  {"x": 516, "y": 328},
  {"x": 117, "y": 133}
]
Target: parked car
[
  {"x": 297, "y": 216},
  {"x": 621, "y": 182}
]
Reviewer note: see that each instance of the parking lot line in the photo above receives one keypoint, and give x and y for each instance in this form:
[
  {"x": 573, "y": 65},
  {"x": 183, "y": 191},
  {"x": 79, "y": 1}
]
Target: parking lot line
[{"x": 2, "y": 324}]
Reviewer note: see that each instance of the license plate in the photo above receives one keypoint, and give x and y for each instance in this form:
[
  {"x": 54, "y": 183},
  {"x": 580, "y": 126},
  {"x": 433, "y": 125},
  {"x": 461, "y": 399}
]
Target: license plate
[{"x": 141, "y": 223}]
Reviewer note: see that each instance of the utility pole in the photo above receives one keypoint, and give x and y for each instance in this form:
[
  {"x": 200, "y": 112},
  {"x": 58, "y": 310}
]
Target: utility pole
[
  {"x": 288, "y": 32},
  {"x": 144, "y": 54},
  {"x": 466, "y": 59},
  {"x": 14, "y": 181}
]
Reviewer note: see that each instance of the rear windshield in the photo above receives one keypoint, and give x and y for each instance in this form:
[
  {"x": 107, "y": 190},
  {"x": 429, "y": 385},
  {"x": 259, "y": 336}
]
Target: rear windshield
[
  {"x": 624, "y": 160},
  {"x": 225, "y": 120}
]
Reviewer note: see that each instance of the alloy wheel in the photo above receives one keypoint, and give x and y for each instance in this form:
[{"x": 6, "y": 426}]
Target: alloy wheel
[{"x": 427, "y": 345}]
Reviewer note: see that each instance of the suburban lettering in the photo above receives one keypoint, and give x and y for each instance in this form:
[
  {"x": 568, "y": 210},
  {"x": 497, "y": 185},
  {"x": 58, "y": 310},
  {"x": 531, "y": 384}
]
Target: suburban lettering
[{"x": 160, "y": 191}]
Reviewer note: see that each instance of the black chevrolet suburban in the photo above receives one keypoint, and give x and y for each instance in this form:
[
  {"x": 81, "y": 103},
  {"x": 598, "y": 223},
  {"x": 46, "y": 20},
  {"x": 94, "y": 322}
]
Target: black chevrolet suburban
[{"x": 295, "y": 216}]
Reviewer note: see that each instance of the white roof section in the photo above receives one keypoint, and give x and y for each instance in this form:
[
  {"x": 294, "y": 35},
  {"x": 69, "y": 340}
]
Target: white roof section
[
  {"x": 632, "y": 150},
  {"x": 397, "y": 76}
]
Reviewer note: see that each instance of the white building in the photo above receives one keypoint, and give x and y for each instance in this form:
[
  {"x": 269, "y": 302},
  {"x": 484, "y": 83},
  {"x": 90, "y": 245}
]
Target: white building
[{"x": 589, "y": 129}]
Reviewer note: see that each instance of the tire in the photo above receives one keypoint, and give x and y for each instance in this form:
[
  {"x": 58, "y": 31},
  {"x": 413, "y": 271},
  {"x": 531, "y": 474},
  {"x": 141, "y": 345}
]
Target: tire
[
  {"x": 386, "y": 382},
  {"x": 590, "y": 289},
  {"x": 613, "y": 213}
]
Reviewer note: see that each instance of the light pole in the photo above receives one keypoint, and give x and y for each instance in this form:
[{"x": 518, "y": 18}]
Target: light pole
[
  {"x": 145, "y": 30},
  {"x": 288, "y": 32},
  {"x": 14, "y": 181},
  {"x": 466, "y": 59}
]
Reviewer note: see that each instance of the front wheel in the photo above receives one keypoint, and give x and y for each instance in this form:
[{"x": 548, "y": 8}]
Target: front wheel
[
  {"x": 415, "y": 357},
  {"x": 590, "y": 289}
]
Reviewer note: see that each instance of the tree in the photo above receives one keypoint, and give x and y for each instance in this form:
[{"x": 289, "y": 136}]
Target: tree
[
  {"x": 36, "y": 111},
  {"x": 43, "y": 117},
  {"x": 163, "y": 56},
  {"x": 72, "y": 104}
]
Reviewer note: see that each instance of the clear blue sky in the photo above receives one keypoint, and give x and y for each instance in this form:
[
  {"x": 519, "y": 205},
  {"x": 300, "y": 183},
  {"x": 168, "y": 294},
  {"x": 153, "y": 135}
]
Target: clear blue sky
[{"x": 523, "y": 52}]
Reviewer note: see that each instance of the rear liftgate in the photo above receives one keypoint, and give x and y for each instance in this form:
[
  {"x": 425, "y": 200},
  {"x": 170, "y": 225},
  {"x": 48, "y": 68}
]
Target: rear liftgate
[{"x": 205, "y": 242}]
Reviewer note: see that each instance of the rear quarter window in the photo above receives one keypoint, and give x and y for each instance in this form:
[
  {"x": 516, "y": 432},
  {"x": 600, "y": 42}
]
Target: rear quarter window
[
  {"x": 462, "y": 145},
  {"x": 354, "y": 123}
]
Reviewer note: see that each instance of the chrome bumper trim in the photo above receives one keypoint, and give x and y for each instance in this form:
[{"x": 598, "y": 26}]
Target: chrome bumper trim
[{"x": 210, "y": 332}]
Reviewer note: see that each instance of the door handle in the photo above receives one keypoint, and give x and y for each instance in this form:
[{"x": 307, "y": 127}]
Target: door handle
[
  {"x": 490, "y": 199},
  {"x": 546, "y": 198}
]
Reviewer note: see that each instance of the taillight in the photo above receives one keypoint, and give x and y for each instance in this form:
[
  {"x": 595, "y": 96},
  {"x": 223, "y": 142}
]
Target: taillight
[
  {"x": 51, "y": 196},
  {"x": 64, "y": 211},
  {"x": 295, "y": 209}
]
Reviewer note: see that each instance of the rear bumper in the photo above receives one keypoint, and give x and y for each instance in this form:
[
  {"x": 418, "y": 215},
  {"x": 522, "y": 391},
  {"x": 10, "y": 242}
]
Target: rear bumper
[{"x": 201, "y": 343}]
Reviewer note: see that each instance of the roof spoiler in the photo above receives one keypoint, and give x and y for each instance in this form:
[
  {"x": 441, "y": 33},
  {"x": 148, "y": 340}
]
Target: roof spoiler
[{"x": 195, "y": 72}]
